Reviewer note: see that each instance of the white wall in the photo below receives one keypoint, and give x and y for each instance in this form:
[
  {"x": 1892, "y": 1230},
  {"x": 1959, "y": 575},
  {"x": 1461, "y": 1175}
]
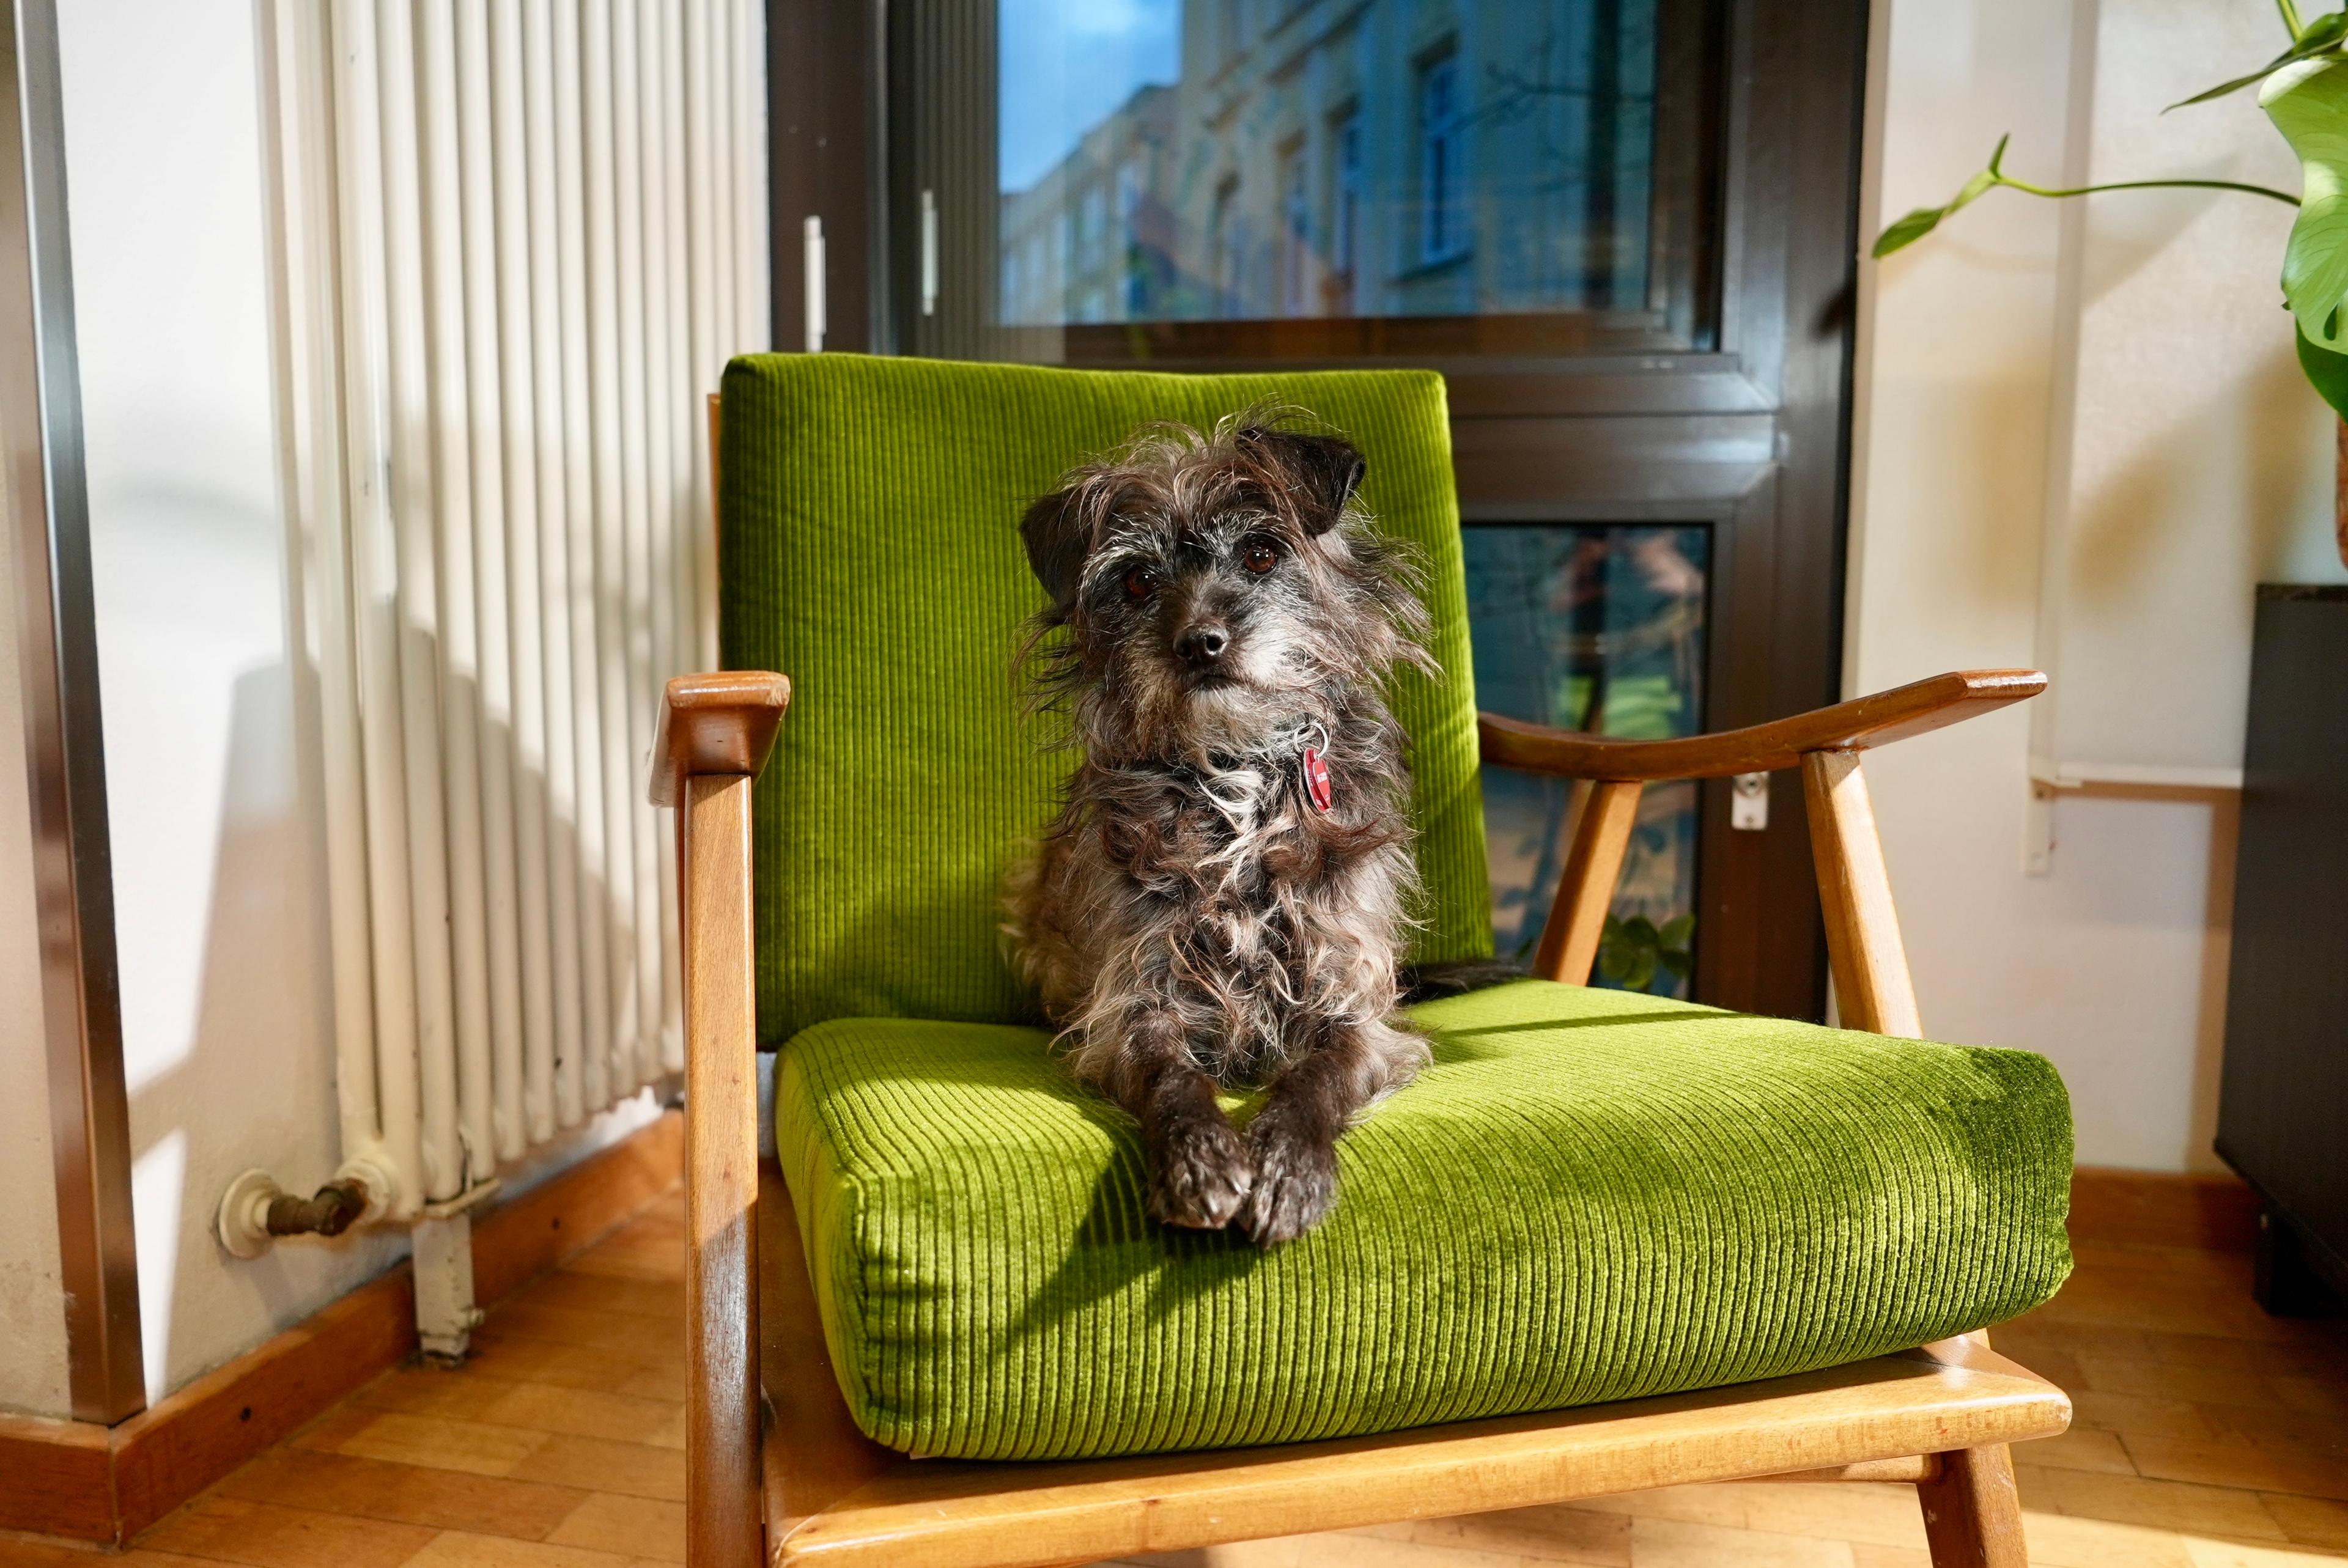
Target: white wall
[
  {"x": 213, "y": 788},
  {"x": 2094, "y": 414},
  {"x": 2198, "y": 463},
  {"x": 211, "y": 800}
]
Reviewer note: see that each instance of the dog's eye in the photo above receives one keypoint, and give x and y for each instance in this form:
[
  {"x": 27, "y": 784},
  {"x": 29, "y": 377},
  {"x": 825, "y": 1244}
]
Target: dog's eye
[
  {"x": 1140, "y": 583},
  {"x": 1259, "y": 556}
]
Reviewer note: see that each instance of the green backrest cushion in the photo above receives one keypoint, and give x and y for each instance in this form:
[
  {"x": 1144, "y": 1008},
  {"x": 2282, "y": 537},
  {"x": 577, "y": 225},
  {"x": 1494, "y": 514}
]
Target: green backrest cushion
[{"x": 868, "y": 549}]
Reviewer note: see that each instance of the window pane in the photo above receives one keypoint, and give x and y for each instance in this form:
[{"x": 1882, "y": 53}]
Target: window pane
[
  {"x": 1597, "y": 628},
  {"x": 1261, "y": 159}
]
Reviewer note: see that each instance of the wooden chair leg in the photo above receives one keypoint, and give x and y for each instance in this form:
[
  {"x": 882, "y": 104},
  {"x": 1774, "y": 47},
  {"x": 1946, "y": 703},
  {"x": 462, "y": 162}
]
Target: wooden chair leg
[{"x": 1972, "y": 1515}]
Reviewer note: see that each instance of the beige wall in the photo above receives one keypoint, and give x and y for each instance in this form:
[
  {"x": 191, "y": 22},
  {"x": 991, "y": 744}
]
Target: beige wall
[{"x": 2080, "y": 444}]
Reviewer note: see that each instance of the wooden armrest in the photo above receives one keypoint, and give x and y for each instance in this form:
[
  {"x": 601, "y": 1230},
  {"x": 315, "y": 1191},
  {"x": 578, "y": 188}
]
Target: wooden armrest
[
  {"x": 1851, "y": 726},
  {"x": 1870, "y": 967},
  {"x": 716, "y": 724}
]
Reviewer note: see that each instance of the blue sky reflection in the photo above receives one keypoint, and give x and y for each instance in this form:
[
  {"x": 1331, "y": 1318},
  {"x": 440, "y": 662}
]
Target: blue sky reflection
[{"x": 1067, "y": 64}]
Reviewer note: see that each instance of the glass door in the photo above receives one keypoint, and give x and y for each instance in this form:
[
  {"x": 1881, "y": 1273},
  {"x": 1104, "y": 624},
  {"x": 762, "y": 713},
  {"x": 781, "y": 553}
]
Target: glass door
[{"x": 1624, "y": 232}]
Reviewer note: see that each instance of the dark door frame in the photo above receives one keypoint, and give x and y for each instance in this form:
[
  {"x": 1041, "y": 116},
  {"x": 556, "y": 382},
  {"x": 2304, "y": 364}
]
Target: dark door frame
[{"x": 1746, "y": 429}]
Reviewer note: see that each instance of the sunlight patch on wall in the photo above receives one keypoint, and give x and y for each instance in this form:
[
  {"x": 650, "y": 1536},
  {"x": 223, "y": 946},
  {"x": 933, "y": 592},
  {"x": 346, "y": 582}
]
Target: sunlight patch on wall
[{"x": 156, "y": 1180}]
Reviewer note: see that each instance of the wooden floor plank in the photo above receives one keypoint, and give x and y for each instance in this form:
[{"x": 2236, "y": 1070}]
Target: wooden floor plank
[
  {"x": 2254, "y": 1466},
  {"x": 406, "y": 1494},
  {"x": 511, "y": 1359},
  {"x": 270, "y": 1535},
  {"x": 453, "y": 1549},
  {"x": 1542, "y": 1534},
  {"x": 2310, "y": 1520},
  {"x": 585, "y": 1413},
  {"x": 632, "y": 1470},
  {"x": 436, "y": 1442},
  {"x": 2082, "y": 1448},
  {"x": 2181, "y": 1506},
  {"x": 609, "y": 1523}
]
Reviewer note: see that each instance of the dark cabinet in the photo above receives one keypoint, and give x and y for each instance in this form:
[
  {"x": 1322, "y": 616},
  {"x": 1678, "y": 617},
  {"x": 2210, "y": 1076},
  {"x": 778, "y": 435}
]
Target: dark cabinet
[{"x": 2282, "y": 1117}]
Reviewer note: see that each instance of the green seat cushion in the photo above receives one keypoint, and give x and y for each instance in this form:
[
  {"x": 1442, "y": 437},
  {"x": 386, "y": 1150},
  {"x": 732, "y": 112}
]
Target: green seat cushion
[
  {"x": 869, "y": 551},
  {"x": 1590, "y": 1196}
]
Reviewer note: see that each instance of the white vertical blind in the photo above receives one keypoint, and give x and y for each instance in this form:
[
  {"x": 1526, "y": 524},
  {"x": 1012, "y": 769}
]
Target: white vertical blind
[{"x": 519, "y": 240}]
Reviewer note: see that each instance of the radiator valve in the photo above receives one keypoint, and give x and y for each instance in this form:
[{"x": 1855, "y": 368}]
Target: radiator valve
[{"x": 255, "y": 1211}]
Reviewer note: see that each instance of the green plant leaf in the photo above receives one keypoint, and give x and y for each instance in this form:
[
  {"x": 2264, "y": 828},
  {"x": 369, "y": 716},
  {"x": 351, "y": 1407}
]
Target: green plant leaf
[
  {"x": 1640, "y": 930},
  {"x": 1640, "y": 973},
  {"x": 1980, "y": 184},
  {"x": 2322, "y": 35},
  {"x": 1614, "y": 962},
  {"x": 2307, "y": 102},
  {"x": 1907, "y": 230},
  {"x": 1677, "y": 930},
  {"x": 2326, "y": 372},
  {"x": 1679, "y": 966},
  {"x": 2237, "y": 85}
]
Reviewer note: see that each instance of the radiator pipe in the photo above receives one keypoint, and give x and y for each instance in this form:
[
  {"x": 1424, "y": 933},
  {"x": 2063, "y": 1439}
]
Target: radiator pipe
[
  {"x": 255, "y": 1211},
  {"x": 330, "y": 1210}
]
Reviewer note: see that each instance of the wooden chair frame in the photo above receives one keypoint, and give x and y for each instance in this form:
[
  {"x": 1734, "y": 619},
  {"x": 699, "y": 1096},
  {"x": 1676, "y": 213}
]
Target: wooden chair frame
[
  {"x": 776, "y": 1469},
  {"x": 806, "y": 1487}
]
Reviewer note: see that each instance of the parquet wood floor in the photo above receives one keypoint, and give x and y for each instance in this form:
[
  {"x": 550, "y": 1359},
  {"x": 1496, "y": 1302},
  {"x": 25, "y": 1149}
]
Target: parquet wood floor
[{"x": 2208, "y": 1436}]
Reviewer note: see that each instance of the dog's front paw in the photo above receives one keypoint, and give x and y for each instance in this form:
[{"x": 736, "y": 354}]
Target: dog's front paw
[
  {"x": 1295, "y": 1184},
  {"x": 1198, "y": 1175}
]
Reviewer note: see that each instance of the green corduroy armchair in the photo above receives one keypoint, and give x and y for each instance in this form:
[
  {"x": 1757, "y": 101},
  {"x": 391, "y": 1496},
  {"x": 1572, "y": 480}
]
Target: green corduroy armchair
[{"x": 1604, "y": 1242}]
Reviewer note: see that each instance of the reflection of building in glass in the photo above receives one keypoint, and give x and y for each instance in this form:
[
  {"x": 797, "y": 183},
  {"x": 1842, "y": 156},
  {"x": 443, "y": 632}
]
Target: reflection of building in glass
[
  {"x": 1093, "y": 240},
  {"x": 1372, "y": 158},
  {"x": 1599, "y": 629}
]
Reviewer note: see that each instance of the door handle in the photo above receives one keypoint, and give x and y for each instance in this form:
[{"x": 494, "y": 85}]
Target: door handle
[
  {"x": 813, "y": 244},
  {"x": 929, "y": 252}
]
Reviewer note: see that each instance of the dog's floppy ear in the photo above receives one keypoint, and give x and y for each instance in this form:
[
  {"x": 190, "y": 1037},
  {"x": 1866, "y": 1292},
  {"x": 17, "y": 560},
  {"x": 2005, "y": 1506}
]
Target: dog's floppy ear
[
  {"x": 1326, "y": 469},
  {"x": 1055, "y": 533}
]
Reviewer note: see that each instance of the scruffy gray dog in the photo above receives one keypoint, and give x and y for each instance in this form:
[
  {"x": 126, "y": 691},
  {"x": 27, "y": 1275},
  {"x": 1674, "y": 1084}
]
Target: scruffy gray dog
[{"x": 1222, "y": 898}]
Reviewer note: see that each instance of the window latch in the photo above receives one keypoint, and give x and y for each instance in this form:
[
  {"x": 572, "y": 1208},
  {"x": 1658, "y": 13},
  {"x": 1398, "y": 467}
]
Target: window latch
[{"x": 1748, "y": 802}]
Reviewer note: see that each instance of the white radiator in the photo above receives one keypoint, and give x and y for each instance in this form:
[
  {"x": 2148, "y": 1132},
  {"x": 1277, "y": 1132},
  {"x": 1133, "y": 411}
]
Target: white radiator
[{"x": 517, "y": 241}]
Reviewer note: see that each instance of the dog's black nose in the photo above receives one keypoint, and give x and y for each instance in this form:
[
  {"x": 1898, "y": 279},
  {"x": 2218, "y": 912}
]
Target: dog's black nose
[{"x": 1202, "y": 645}]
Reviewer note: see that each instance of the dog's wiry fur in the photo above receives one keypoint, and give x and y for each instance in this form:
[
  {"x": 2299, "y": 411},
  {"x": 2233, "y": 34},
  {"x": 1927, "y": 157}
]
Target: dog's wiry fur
[{"x": 1191, "y": 919}]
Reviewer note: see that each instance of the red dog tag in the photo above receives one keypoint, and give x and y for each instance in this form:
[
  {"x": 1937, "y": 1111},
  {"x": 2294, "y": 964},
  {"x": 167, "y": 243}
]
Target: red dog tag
[{"x": 1316, "y": 779}]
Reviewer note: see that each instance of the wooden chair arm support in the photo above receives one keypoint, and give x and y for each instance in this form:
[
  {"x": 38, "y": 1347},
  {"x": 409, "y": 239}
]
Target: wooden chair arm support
[
  {"x": 1851, "y": 726},
  {"x": 1871, "y": 965},
  {"x": 722, "y": 723}
]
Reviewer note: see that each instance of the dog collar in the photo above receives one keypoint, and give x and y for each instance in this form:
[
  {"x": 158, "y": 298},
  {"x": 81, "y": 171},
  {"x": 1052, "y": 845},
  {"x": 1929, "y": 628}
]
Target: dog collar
[
  {"x": 1311, "y": 743},
  {"x": 1307, "y": 741}
]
